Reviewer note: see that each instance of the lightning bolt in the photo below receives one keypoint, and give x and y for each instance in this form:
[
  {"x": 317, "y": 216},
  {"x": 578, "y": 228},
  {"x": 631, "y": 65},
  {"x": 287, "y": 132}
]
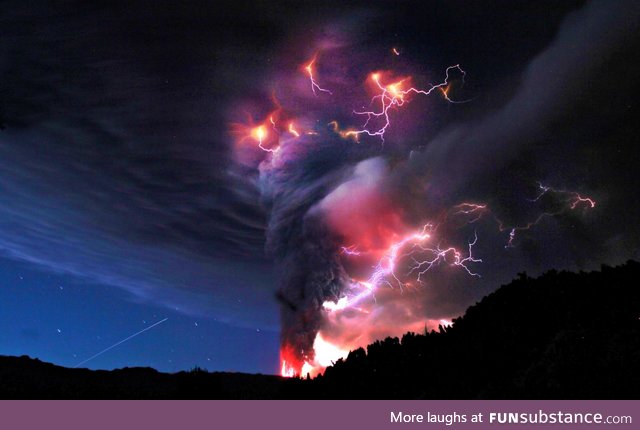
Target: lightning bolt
[
  {"x": 314, "y": 85},
  {"x": 424, "y": 259},
  {"x": 395, "y": 95},
  {"x": 570, "y": 200},
  {"x": 350, "y": 250}
]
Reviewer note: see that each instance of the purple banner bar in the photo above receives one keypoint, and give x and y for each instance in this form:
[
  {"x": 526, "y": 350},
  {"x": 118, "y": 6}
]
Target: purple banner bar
[{"x": 320, "y": 415}]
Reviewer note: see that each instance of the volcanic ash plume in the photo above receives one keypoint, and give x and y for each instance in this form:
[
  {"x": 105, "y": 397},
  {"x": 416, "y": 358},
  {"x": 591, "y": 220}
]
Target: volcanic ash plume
[
  {"x": 372, "y": 236},
  {"x": 302, "y": 245}
]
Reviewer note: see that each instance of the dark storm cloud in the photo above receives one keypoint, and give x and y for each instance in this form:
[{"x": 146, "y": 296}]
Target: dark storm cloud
[
  {"x": 578, "y": 74},
  {"x": 114, "y": 159},
  {"x": 560, "y": 120},
  {"x": 568, "y": 125},
  {"x": 114, "y": 153}
]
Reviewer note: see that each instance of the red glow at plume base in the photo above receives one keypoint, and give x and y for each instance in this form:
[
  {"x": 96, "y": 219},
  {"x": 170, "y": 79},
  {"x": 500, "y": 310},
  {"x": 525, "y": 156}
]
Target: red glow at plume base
[
  {"x": 357, "y": 307},
  {"x": 327, "y": 353}
]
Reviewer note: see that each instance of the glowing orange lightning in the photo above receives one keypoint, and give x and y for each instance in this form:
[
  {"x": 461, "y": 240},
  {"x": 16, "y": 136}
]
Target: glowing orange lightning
[{"x": 314, "y": 85}]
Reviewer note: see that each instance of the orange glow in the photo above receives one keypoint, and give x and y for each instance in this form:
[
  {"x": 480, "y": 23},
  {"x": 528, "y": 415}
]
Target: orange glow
[
  {"x": 287, "y": 371},
  {"x": 345, "y": 134},
  {"x": 292, "y": 130},
  {"x": 290, "y": 365},
  {"x": 308, "y": 68},
  {"x": 265, "y": 133},
  {"x": 326, "y": 354},
  {"x": 396, "y": 89},
  {"x": 259, "y": 133}
]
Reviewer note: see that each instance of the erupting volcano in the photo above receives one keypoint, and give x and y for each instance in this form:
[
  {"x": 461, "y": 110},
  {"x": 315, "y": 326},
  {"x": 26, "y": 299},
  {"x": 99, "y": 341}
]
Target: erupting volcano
[
  {"x": 354, "y": 230},
  {"x": 274, "y": 186}
]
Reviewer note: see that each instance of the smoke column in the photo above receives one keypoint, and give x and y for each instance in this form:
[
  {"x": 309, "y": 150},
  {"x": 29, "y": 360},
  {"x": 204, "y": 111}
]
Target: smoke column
[{"x": 309, "y": 269}]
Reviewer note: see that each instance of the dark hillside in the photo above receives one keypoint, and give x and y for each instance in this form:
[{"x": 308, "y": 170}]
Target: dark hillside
[
  {"x": 559, "y": 336},
  {"x": 562, "y": 335}
]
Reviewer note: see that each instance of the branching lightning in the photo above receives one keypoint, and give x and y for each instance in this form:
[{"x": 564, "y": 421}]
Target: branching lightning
[
  {"x": 440, "y": 256},
  {"x": 395, "y": 95},
  {"x": 314, "y": 85},
  {"x": 569, "y": 200},
  {"x": 425, "y": 257},
  {"x": 268, "y": 133},
  {"x": 412, "y": 245}
]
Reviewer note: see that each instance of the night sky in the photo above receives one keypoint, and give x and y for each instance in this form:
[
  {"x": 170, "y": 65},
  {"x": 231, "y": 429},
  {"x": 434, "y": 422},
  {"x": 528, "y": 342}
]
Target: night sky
[{"x": 127, "y": 198}]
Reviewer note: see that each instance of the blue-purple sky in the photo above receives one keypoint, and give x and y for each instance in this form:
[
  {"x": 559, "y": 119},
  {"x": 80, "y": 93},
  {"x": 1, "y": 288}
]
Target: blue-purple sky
[{"x": 120, "y": 205}]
